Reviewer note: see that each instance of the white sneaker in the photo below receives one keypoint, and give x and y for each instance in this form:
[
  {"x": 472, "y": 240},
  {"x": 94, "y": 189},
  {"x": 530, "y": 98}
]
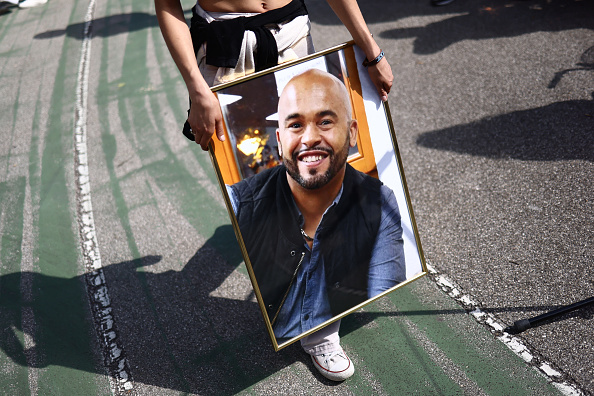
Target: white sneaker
[
  {"x": 31, "y": 3},
  {"x": 335, "y": 366}
]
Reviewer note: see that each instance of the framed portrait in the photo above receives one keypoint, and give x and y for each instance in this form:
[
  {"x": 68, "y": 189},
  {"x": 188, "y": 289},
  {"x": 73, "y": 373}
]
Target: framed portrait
[{"x": 366, "y": 244}]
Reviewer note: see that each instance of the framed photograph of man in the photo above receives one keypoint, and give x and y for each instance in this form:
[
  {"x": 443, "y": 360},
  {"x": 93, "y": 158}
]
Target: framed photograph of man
[{"x": 315, "y": 189}]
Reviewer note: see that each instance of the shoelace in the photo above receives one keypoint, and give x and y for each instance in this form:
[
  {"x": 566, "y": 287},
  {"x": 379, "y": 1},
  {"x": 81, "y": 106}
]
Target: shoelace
[{"x": 330, "y": 357}]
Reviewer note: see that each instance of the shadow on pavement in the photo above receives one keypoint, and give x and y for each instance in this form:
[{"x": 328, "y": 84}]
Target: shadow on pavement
[
  {"x": 466, "y": 19},
  {"x": 107, "y": 26},
  {"x": 495, "y": 19},
  {"x": 559, "y": 131},
  {"x": 176, "y": 330},
  {"x": 111, "y": 25},
  {"x": 469, "y": 20}
]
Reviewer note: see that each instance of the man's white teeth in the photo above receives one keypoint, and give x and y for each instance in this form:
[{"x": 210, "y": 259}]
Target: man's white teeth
[{"x": 312, "y": 158}]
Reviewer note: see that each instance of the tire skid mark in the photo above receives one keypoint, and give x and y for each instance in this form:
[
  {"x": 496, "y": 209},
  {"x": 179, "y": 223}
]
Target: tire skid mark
[{"x": 114, "y": 356}]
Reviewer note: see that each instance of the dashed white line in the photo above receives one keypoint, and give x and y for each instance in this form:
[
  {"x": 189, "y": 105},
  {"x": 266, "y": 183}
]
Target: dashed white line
[
  {"x": 513, "y": 343},
  {"x": 115, "y": 359}
]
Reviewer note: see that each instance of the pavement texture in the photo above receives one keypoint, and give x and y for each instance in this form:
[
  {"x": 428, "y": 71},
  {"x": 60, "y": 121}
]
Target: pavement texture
[{"x": 493, "y": 109}]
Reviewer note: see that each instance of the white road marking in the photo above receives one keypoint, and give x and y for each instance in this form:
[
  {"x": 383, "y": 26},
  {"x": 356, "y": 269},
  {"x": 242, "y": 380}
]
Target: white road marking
[
  {"x": 513, "y": 343},
  {"x": 115, "y": 359}
]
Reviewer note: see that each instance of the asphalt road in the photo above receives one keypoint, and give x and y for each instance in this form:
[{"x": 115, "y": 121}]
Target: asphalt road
[
  {"x": 119, "y": 270},
  {"x": 493, "y": 106}
]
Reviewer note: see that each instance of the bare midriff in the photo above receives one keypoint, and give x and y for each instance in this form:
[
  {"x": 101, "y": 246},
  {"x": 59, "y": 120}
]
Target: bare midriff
[{"x": 241, "y": 5}]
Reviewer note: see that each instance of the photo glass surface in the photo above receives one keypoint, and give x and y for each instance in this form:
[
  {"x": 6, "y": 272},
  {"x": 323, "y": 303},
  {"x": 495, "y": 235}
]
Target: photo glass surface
[{"x": 367, "y": 244}]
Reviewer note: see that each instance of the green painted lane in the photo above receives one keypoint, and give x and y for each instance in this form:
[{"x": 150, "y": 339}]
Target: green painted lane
[
  {"x": 138, "y": 101},
  {"x": 12, "y": 197},
  {"x": 182, "y": 321},
  {"x": 418, "y": 341},
  {"x": 391, "y": 356},
  {"x": 392, "y": 353},
  {"x": 15, "y": 378},
  {"x": 65, "y": 337},
  {"x": 48, "y": 341},
  {"x": 137, "y": 131}
]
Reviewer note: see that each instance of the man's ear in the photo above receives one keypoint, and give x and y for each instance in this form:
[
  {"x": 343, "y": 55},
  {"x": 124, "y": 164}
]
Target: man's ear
[
  {"x": 280, "y": 149},
  {"x": 353, "y": 132}
]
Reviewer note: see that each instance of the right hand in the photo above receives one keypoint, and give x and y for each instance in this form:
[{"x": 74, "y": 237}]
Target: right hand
[{"x": 205, "y": 119}]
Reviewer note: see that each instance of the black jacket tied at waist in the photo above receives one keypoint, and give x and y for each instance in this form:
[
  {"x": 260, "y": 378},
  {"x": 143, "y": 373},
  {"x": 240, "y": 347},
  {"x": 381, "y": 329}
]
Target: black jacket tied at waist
[
  {"x": 269, "y": 222},
  {"x": 224, "y": 38}
]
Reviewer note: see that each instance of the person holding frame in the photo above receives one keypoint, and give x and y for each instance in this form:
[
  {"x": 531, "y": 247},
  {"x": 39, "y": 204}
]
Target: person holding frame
[
  {"x": 321, "y": 236},
  {"x": 231, "y": 38}
]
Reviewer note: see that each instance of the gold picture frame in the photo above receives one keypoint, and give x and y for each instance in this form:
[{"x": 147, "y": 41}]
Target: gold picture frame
[{"x": 249, "y": 108}]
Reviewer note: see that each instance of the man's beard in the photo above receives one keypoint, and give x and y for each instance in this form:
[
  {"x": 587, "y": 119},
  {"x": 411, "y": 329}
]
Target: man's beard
[{"x": 317, "y": 180}]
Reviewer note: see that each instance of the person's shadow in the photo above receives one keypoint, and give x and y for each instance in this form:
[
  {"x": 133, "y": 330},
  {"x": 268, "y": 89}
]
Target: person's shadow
[
  {"x": 177, "y": 329},
  {"x": 559, "y": 131},
  {"x": 470, "y": 20},
  {"x": 495, "y": 19},
  {"x": 110, "y": 25},
  {"x": 464, "y": 19},
  {"x": 106, "y": 26},
  {"x": 196, "y": 330}
]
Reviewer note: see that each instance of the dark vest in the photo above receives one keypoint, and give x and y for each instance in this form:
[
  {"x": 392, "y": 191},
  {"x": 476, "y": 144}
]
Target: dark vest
[{"x": 269, "y": 222}]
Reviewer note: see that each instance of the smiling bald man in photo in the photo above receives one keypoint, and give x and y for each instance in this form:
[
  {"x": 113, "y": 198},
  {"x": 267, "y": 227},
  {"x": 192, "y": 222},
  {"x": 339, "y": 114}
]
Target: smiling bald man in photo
[{"x": 321, "y": 236}]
